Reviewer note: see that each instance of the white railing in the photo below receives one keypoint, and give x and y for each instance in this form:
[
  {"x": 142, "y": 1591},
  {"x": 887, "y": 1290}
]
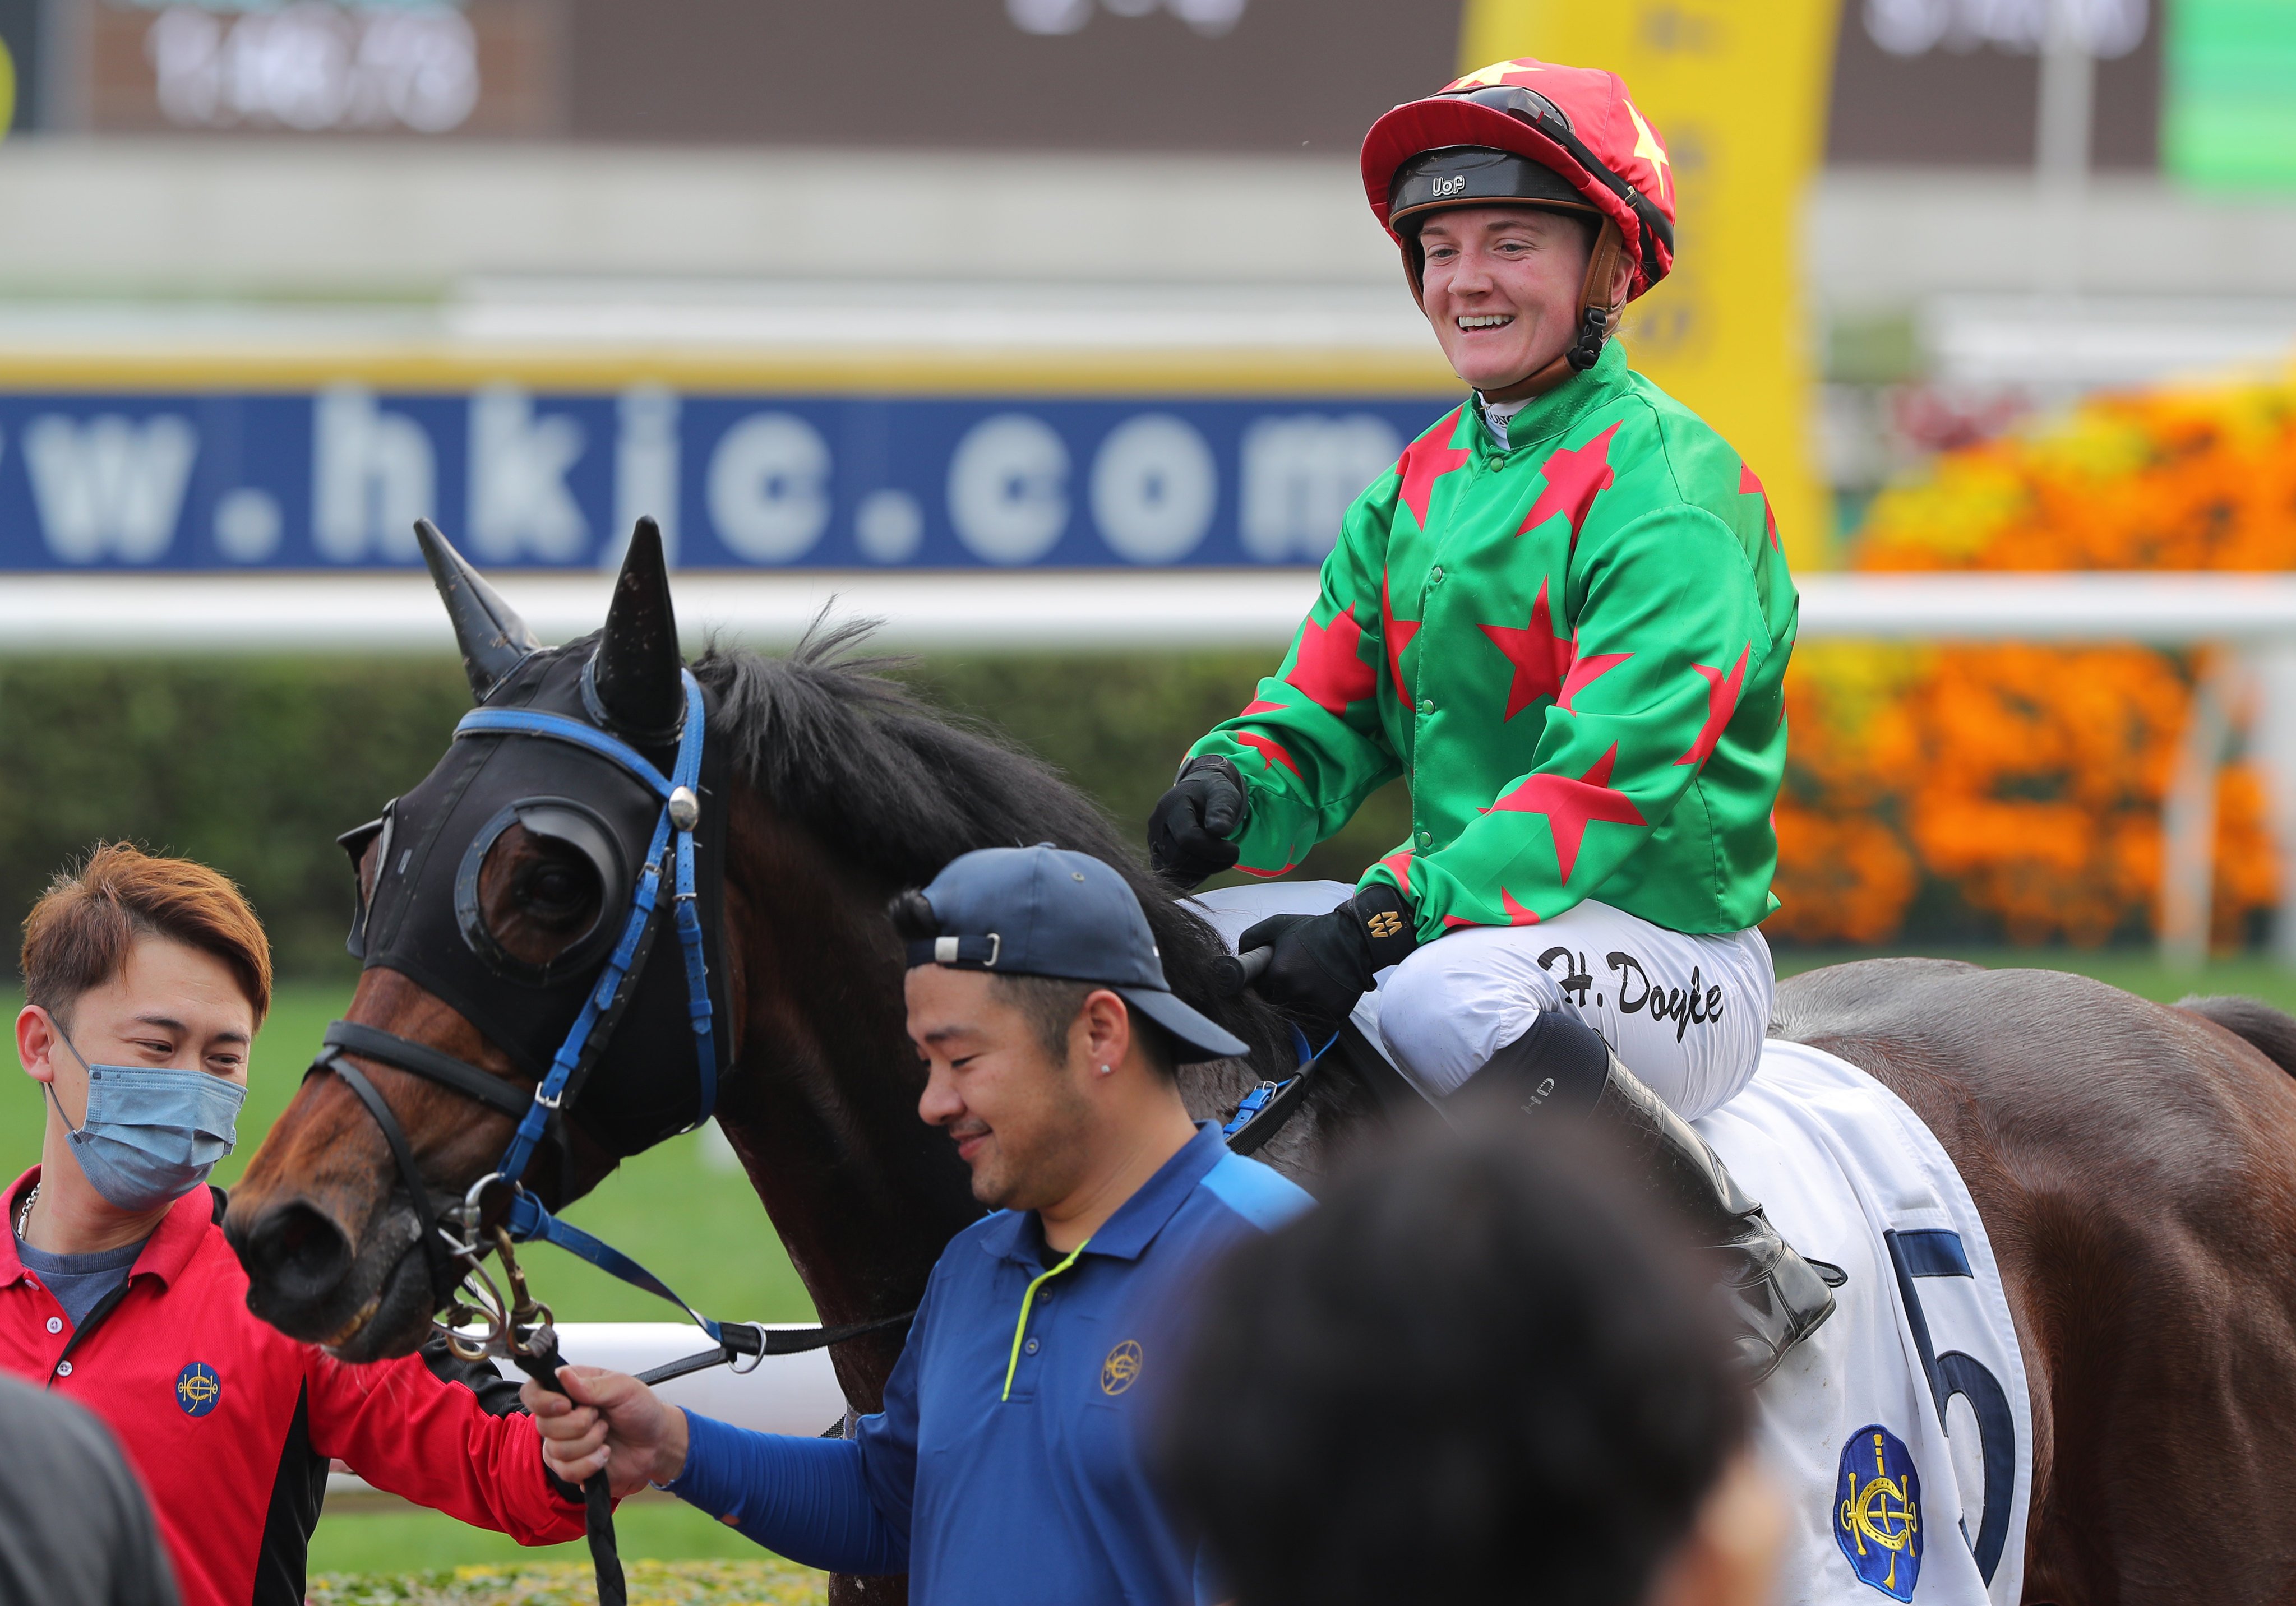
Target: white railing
[{"x": 1074, "y": 607}]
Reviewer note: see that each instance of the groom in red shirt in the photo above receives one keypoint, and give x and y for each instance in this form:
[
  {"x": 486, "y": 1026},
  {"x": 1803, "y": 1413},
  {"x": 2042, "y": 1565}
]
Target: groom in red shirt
[{"x": 145, "y": 981}]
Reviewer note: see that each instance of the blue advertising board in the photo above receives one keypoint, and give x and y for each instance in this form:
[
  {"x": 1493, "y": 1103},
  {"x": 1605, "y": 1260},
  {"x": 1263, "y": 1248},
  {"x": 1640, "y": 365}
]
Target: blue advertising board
[{"x": 332, "y": 477}]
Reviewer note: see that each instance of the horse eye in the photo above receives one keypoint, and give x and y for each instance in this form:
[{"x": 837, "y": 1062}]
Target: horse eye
[{"x": 556, "y": 890}]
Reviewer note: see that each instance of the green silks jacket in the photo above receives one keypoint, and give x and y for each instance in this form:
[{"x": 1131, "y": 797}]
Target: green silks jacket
[{"x": 1574, "y": 651}]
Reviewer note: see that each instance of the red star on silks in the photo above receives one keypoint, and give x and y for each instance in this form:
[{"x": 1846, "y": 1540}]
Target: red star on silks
[
  {"x": 1749, "y": 484},
  {"x": 1539, "y": 654},
  {"x": 1545, "y": 664},
  {"x": 1575, "y": 476},
  {"x": 1570, "y": 805},
  {"x": 1427, "y": 460},
  {"x": 1584, "y": 671},
  {"x": 1517, "y": 915},
  {"x": 1721, "y": 702},
  {"x": 1269, "y": 750},
  {"x": 1398, "y": 634},
  {"x": 1256, "y": 706},
  {"x": 1329, "y": 669}
]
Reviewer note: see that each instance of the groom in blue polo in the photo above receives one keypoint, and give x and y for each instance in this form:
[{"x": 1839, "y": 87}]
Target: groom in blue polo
[{"x": 1004, "y": 1467}]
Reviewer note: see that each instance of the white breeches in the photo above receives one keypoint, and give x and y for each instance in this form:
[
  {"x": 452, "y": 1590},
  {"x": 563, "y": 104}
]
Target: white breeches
[{"x": 1686, "y": 1013}]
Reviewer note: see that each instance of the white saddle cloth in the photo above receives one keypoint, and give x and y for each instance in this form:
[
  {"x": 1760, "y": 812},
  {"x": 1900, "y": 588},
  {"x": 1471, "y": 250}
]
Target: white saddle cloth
[
  {"x": 1881, "y": 1492},
  {"x": 1900, "y": 1433}
]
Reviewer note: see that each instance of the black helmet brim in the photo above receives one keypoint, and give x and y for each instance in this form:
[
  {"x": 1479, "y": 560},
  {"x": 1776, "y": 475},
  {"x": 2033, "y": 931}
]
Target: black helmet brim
[{"x": 1467, "y": 175}]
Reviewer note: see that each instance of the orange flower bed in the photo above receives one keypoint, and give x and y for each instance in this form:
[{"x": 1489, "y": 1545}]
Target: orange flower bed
[{"x": 2025, "y": 782}]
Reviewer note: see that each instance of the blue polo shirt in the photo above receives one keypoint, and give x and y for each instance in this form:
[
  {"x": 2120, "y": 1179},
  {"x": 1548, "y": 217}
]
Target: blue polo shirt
[{"x": 1005, "y": 1468}]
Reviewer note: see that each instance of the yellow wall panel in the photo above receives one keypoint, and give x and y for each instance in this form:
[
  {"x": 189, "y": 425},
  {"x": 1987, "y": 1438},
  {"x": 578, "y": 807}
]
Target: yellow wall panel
[{"x": 1737, "y": 89}]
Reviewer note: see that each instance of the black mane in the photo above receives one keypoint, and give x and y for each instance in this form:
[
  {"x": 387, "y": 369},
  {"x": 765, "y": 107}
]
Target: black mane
[{"x": 901, "y": 788}]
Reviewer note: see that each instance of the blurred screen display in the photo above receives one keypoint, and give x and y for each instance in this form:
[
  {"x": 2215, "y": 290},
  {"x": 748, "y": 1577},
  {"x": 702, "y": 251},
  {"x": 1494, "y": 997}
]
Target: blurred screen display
[
  {"x": 1957, "y": 83},
  {"x": 1915, "y": 82},
  {"x": 487, "y": 67},
  {"x": 1270, "y": 75},
  {"x": 335, "y": 479}
]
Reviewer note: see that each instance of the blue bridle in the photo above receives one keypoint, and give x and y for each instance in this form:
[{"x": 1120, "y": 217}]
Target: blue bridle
[
  {"x": 669, "y": 856},
  {"x": 680, "y": 816},
  {"x": 681, "y": 811}
]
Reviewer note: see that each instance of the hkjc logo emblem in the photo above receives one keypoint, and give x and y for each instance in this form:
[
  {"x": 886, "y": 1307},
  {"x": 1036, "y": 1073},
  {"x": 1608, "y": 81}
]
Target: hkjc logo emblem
[
  {"x": 1878, "y": 1523},
  {"x": 198, "y": 1389},
  {"x": 1122, "y": 1369},
  {"x": 1387, "y": 922}
]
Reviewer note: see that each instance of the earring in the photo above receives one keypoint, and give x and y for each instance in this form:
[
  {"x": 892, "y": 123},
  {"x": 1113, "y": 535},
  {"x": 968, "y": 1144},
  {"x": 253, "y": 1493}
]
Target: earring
[{"x": 1105, "y": 1070}]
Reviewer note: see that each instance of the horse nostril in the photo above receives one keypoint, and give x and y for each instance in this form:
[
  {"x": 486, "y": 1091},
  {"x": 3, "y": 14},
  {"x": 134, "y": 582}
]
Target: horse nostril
[{"x": 298, "y": 1250}]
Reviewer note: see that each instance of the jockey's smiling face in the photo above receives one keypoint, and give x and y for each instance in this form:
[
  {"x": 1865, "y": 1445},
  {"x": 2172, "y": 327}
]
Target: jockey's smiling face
[{"x": 1501, "y": 287}]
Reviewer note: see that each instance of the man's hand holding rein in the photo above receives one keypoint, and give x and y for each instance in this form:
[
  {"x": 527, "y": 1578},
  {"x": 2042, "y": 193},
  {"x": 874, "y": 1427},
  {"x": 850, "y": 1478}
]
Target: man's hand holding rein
[{"x": 610, "y": 1420}]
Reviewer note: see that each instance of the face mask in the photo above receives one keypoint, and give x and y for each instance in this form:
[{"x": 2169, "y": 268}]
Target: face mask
[{"x": 152, "y": 1136}]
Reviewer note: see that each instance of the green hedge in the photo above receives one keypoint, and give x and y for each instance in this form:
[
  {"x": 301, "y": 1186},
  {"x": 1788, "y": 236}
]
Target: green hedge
[{"x": 255, "y": 766}]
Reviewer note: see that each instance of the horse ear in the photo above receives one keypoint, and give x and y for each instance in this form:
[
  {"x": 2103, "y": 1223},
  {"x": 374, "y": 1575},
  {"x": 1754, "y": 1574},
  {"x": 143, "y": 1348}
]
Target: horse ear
[
  {"x": 634, "y": 673},
  {"x": 494, "y": 640}
]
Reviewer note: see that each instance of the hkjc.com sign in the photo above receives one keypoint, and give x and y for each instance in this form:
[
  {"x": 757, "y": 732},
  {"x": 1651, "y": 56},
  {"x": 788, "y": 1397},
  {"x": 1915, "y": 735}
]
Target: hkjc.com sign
[{"x": 335, "y": 479}]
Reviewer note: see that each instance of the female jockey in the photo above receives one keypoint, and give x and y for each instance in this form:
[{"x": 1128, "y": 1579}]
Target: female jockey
[{"x": 1564, "y": 617}]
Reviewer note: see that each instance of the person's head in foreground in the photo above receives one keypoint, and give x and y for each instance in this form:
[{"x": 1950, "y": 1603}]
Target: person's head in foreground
[
  {"x": 145, "y": 980},
  {"x": 1478, "y": 1370}
]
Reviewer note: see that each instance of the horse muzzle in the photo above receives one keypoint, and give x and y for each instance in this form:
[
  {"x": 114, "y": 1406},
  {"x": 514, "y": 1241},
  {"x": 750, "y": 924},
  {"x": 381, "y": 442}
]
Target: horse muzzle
[{"x": 306, "y": 1277}]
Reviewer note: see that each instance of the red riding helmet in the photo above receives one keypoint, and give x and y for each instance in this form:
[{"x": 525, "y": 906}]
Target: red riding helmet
[{"x": 1525, "y": 132}]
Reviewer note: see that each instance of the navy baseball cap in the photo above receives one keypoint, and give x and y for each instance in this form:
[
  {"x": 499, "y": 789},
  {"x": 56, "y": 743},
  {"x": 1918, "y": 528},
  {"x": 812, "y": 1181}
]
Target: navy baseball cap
[{"x": 1046, "y": 911}]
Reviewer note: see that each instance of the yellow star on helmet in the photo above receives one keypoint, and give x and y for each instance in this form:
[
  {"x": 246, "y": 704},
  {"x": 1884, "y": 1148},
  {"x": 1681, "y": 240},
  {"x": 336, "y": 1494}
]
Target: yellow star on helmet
[
  {"x": 1647, "y": 146},
  {"x": 1497, "y": 72}
]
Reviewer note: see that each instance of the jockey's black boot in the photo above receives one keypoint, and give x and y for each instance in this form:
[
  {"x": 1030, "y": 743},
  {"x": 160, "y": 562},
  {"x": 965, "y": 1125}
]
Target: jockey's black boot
[{"x": 1776, "y": 1298}]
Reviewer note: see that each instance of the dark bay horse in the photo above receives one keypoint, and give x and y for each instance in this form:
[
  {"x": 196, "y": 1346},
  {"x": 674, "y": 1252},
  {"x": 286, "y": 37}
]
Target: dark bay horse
[{"x": 2135, "y": 1164}]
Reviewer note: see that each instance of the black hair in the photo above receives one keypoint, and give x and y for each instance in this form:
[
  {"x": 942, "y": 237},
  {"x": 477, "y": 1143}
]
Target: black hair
[
  {"x": 1478, "y": 1370},
  {"x": 1051, "y": 1004}
]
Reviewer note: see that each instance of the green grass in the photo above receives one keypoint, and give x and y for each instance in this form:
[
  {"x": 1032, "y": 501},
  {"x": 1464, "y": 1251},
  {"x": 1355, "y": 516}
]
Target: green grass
[
  {"x": 395, "y": 1543},
  {"x": 653, "y": 1583},
  {"x": 2132, "y": 970},
  {"x": 702, "y": 1229}
]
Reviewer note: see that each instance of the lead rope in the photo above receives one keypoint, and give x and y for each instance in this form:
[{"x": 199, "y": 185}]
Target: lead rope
[{"x": 537, "y": 1356}]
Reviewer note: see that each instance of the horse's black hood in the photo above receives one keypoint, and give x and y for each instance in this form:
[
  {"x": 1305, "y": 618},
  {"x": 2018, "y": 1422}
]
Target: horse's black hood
[{"x": 421, "y": 919}]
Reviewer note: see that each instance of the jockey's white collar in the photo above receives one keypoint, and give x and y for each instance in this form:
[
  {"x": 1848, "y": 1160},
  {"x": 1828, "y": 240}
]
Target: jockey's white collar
[{"x": 1497, "y": 415}]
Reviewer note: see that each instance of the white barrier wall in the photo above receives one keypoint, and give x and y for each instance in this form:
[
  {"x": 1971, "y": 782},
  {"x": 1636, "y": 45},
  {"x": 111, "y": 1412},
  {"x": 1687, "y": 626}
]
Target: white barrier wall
[{"x": 1028, "y": 609}]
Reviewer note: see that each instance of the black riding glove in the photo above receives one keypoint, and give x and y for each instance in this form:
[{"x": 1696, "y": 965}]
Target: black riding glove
[
  {"x": 1325, "y": 962},
  {"x": 1189, "y": 827}
]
